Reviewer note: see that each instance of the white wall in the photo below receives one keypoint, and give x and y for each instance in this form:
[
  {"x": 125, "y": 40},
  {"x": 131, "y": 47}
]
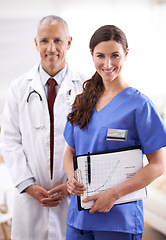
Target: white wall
[{"x": 143, "y": 21}]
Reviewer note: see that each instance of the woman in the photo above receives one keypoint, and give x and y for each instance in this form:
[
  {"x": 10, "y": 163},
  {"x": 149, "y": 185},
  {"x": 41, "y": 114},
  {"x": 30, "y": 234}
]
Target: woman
[{"x": 108, "y": 102}]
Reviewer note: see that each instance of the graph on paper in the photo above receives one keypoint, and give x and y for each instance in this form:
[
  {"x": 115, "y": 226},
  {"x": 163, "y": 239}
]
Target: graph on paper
[{"x": 109, "y": 170}]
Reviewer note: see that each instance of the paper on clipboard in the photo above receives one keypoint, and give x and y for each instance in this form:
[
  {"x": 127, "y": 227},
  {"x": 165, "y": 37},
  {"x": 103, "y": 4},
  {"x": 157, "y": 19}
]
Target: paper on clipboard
[{"x": 108, "y": 170}]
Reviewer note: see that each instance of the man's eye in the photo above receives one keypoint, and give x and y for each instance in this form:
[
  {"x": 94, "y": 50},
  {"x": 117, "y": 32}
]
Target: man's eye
[{"x": 44, "y": 41}]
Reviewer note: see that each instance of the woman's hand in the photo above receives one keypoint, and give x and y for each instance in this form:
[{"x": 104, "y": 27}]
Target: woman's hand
[
  {"x": 104, "y": 201},
  {"x": 74, "y": 187}
]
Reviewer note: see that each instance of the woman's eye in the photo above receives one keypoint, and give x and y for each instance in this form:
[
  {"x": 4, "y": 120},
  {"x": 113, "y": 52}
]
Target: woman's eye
[
  {"x": 115, "y": 56},
  {"x": 100, "y": 56}
]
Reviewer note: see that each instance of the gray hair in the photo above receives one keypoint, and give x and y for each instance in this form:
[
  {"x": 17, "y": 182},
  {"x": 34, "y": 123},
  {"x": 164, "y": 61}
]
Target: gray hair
[{"x": 52, "y": 19}]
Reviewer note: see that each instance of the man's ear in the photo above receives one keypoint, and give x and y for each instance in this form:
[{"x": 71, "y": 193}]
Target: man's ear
[
  {"x": 36, "y": 44},
  {"x": 69, "y": 42}
]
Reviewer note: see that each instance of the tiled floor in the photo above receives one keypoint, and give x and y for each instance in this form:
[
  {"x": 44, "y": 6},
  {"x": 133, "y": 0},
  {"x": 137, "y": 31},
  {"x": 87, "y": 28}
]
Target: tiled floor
[{"x": 149, "y": 234}]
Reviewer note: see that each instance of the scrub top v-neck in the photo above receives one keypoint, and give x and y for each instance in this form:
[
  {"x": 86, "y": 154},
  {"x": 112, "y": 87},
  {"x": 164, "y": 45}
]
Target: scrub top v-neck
[{"x": 134, "y": 113}]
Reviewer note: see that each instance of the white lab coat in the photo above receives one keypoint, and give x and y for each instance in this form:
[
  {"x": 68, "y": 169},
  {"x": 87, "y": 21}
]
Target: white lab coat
[{"x": 26, "y": 150}]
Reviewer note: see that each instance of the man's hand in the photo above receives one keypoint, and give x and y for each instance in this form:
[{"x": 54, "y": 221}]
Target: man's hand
[
  {"x": 51, "y": 198},
  {"x": 55, "y": 196},
  {"x": 37, "y": 192}
]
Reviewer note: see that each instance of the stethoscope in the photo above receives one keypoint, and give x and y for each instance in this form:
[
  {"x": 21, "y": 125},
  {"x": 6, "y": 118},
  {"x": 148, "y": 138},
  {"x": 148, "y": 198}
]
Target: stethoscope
[
  {"x": 36, "y": 93},
  {"x": 37, "y": 117},
  {"x": 67, "y": 97}
]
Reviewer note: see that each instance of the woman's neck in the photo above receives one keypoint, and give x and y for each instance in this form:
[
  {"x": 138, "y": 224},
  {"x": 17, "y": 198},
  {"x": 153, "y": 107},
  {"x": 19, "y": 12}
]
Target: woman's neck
[
  {"x": 113, "y": 88},
  {"x": 110, "y": 91}
]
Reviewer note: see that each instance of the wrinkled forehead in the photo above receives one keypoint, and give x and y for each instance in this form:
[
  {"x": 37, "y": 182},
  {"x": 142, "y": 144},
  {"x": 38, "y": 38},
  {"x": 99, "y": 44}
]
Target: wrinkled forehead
[
  {"x": 52, "y": 25},
  {"x": 52, "y": 31}
]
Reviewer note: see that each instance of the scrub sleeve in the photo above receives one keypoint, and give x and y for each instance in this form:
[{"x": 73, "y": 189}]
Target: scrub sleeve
[{"x": 134, "y": 112}]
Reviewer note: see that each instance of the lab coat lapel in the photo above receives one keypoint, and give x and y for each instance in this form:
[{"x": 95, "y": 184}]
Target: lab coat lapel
[
  {"x": 37, "y": 107},
  {"x": 35, "y": 81},
  {"x": 67, "y": 89}
]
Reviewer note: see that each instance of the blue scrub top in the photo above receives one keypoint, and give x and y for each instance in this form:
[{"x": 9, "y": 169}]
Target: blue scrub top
[{"x": 132, "y": 111}]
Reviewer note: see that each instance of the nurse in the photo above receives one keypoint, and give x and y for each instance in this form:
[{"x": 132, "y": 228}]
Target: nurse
[{"x": 108, "y": 102}]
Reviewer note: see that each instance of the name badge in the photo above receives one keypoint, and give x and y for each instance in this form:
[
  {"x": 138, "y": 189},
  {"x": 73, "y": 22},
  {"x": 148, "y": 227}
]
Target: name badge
[{"x": 117, "y": 135}]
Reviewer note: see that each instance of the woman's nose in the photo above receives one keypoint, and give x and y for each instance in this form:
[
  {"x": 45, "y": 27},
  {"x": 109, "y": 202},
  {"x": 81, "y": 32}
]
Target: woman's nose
[{"x": 107, "y": 63}]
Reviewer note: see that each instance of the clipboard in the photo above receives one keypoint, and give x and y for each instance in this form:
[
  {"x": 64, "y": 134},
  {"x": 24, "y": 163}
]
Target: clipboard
[{"x": 104, "y": 170}]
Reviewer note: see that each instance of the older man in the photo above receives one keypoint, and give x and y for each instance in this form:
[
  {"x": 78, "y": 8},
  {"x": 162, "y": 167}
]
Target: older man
[{"x": 32, "y": 132}]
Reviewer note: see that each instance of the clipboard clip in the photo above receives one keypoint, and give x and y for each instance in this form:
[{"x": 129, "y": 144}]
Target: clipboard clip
[{"x": 78, "y": 175}]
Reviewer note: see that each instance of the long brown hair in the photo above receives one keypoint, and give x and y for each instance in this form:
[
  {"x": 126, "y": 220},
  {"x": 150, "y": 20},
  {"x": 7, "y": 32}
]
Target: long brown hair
[{"x": 93, "y": 88}]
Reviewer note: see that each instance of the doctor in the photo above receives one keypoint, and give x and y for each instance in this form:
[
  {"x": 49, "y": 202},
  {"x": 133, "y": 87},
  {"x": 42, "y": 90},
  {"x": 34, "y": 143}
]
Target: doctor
[{"x": 26, "y": 137}]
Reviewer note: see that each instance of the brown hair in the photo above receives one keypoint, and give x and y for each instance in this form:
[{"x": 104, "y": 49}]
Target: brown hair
[{"x": 93, "y": 88}]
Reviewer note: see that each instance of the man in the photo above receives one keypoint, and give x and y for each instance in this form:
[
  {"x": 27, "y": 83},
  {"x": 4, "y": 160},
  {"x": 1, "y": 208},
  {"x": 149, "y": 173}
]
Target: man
[{"x": 27, "y": 131}]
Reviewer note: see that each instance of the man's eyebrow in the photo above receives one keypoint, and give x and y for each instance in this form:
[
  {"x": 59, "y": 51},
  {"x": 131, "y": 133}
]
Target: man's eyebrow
[{"x": 43, "y": 38}]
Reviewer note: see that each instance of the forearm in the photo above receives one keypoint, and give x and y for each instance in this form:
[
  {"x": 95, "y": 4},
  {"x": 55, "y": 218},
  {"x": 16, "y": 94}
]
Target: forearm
[
  {"x": 16, "y": 162},
  {"x": 68, "y": 162},
  {"x": 23, "y": 185},
  {"x": 145, "y": 176},
  {"x": 12, "y": 149},
  {"x": 73, "y": 187},
  {"x": 105, "y": 200}
]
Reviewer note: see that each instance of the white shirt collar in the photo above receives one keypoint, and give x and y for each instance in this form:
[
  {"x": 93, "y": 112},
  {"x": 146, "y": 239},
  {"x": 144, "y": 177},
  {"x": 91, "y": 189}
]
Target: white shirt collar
[{"x": 58, "y": 77}]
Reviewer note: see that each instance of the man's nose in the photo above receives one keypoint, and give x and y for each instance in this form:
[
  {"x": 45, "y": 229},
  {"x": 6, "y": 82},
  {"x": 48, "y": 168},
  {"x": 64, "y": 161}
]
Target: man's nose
[{"x": 51, "y": 46}]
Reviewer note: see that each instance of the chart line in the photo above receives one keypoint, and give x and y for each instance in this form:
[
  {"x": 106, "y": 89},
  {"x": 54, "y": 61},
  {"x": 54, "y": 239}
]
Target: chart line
[{"x": 107, "y": 180}]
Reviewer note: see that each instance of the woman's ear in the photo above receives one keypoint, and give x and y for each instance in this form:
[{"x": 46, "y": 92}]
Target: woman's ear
[{"x": 127, "y": 51}]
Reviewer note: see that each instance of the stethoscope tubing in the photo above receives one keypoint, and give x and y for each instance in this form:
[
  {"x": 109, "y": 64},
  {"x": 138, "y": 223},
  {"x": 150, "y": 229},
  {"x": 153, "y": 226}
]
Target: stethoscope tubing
[{"x": 34, "y": 92}]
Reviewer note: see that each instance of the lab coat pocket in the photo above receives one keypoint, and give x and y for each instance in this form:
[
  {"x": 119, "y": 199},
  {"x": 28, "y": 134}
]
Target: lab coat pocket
[
  {"x": 69, "y": 98},
  {"x": 36, "y": 111}
]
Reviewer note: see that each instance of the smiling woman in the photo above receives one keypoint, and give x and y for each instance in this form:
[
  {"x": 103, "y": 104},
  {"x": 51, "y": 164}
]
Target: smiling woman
[
  {"x": 108, "y": 104},
  {"x": 109, "y": 58},
  {"x": 109, "y": 49}
]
